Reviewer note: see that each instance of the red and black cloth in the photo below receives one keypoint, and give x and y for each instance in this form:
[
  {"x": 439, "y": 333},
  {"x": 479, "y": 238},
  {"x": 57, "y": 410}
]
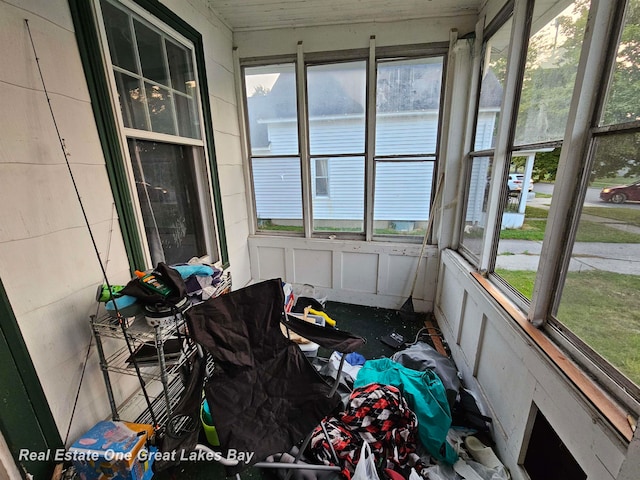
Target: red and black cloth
[{"x": 379, "y": 415}]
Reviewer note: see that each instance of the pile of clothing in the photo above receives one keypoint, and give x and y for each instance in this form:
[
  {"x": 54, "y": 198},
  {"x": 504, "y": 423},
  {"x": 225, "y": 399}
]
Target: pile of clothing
[{"x": 404, "y": 407}]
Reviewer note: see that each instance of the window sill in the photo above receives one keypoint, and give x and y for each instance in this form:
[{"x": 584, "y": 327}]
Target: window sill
[{"x": 615, "y": 415}]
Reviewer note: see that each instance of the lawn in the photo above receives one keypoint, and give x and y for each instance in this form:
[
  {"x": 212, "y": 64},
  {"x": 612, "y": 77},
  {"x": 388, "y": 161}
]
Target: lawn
[{"x": 602, "y": 308}]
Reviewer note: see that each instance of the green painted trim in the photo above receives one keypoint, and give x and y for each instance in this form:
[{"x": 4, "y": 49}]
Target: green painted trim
[
  {"x": 165, "y": 15},
  {"x": 90, "y": 53},
  {"x": 26, "y": 420},
  {"x": 91, "y": 57}
]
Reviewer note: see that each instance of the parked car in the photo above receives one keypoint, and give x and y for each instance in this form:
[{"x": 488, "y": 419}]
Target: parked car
[
  {"x": 621, "y": 193},
  {"x": 515, "y": 181}
]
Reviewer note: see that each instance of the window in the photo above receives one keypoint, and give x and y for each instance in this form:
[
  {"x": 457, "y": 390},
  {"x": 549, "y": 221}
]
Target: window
[
  {"x": 599, "y": 299},
  {"x": 407, "y": 116},
  {"x": 275, "y": 160},
  {"x": 547, "y": 87},
  {"x": 479, "y": 168},
  {"x": 156, "y": 89},
  {"x": 585, "y": 295},
  {"x": 344, "y": 156},
  {"x": 337, "y": 106},
  {"x": 321, "y": 176}
]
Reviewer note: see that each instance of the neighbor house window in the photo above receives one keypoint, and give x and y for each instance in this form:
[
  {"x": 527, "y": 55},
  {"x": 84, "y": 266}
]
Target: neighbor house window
[
  {"x": 321, "y": 176},
  {"x": 153, "y": 75}
]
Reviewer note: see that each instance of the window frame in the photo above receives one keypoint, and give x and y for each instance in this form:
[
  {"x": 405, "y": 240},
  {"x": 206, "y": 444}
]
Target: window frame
[
  {"x": 582, "y": 132},
  {"x": 97, "y": 71},
  {"x": 370, "y": 56}
]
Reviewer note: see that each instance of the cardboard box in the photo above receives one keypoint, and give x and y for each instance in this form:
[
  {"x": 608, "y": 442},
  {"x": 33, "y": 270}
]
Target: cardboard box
[{"x": 114, "y": 450}]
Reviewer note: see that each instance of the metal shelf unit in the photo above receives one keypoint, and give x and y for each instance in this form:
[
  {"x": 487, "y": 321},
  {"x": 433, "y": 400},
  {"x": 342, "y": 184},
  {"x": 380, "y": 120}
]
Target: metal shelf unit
[{"x": 161, "y": 380}]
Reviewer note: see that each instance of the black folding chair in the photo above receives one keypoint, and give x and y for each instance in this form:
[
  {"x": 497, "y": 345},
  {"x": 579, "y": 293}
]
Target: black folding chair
[{"x": 263, "y": 393}]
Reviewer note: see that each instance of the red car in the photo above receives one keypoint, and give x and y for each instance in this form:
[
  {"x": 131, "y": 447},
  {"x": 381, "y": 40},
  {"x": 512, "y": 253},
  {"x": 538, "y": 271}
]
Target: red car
[{"x": 622, "y": 193}]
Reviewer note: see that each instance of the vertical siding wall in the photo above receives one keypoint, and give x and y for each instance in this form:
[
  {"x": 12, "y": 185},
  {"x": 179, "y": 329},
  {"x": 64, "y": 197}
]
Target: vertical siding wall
[
  {"x": 491, "y": 350},
  {"x": 47, "y": 262}
]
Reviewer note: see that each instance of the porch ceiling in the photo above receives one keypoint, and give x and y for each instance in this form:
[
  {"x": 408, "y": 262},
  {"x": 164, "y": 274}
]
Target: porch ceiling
[{"x": 242, "y": 15}]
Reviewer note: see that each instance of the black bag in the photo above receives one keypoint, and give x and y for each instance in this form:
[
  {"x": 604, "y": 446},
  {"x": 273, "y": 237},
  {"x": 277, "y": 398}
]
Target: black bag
[
  {"x": 147, "y": 297},
  {"x": 466, "y": 413}
]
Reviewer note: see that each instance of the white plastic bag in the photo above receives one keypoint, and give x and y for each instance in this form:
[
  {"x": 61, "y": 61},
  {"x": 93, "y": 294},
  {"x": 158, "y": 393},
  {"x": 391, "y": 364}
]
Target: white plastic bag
[{"x": 366, "y": 467}]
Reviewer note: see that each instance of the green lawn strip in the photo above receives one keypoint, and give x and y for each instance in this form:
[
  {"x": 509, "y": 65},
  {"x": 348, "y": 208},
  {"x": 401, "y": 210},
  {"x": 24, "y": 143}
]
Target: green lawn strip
[
  {"x": 626, "y": 215},
  {"x": 611, "y": 182},
  {"x": 597, "y": 232},
  {"x": 531, "y": 230},
  {"x": 587, "y": 232},
  {"x": 602, "y": 308},
  {"x": 536, "y": 212}
]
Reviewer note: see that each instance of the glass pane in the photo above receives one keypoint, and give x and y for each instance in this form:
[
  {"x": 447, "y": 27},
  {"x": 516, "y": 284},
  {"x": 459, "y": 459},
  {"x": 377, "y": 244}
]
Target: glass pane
[
  {"x": 118, "y": 28},
  {"x": 277, "y": 186},
  {"x": 491, "y": 88},
  {"x": 187, "y": 111},
  {"x": 476, "y": 207},
  {"x": 272, "y": 107},
  {"x": 550, "y": 72},
  {"x": 322, "y": 177},
  {"x": 166, "y": 183},
  {"x": 407, "y": 106},
  {"x": 182, "y": 75},
  {"x": 132, "y": 101},
  {"x": 524, "y": 218},
  {"x": 160, "y": 109},
  {"x": 336, "y": 98},
  {"x": 621, "y": 103},
  {"x": 343, "y": 209},
  {"x": 152, "y": 57},
  {"x": 402, "y": 197},
  {"x": 600, "y": 301}
]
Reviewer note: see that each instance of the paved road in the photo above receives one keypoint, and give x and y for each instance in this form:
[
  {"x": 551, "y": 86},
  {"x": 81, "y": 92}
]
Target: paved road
[{"x": 592, "y": 198}]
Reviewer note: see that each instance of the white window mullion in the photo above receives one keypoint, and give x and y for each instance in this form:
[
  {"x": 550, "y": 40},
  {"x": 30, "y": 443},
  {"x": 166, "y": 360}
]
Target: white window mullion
[
  {"x": 303, "y": 142},
  {"x": 370, "y": 132}
]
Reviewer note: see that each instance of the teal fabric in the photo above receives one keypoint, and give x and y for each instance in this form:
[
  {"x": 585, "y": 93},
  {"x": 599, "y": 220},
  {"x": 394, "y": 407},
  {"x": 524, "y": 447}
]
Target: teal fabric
[{"x": 425, "y": 395}]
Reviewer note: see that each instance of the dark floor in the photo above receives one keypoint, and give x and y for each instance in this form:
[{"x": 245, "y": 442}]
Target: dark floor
[{"x": 368, "y": 322}]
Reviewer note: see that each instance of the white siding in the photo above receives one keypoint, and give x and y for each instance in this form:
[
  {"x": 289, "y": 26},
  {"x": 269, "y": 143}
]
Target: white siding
[
  {"x": 278, "y": 188},
  {"x": 403, "y": 191},
  {"x": 406, "y": 134}
]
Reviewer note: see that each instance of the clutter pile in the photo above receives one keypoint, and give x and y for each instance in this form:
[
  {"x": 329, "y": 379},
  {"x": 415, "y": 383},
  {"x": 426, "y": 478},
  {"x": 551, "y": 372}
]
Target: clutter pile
[
  {"x": 164, "y": 292},
  {"x": 413, "y": 412}
]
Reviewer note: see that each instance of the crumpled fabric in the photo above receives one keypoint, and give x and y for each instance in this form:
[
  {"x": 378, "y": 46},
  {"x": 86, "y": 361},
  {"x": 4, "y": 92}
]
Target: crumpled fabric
[
  {"x": 377, "y": 414},
  {"x": 425, "y": 395}
]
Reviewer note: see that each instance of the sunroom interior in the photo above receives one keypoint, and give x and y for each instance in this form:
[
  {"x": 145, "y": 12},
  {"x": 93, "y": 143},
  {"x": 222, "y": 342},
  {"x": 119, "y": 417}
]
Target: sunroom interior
[{"x": 352, "y": 146}]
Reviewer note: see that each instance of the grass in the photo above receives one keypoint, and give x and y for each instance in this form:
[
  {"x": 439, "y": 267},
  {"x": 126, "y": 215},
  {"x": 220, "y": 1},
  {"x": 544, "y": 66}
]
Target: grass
[
  {"x": 626, "y": 215},
  {"x": 602, "y": 308},
  {"x": 611, "y": 182}
]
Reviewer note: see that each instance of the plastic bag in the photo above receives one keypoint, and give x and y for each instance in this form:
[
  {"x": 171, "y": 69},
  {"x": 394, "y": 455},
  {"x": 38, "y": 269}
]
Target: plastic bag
[{"x": 366, "y": 467}]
